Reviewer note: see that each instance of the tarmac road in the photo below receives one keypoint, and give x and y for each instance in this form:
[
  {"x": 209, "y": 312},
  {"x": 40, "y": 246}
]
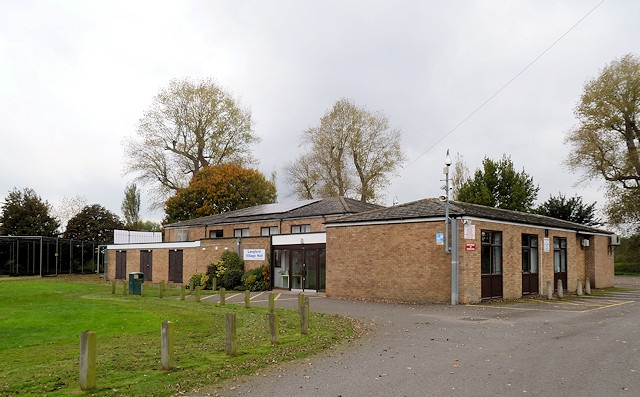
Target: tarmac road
[{"x": 576, "y": 347}]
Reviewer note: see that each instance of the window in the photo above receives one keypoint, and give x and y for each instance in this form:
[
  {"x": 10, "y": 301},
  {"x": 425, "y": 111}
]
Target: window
[
  {"x": 491, "y": 252},
  {"x": 560, "y": 254},
  {"x": 301, "y": 229},
  {"x": 268, "y": 230},
  {"x": 216, "y": 233},
  {"x": 182, "y": 235},
  {"x": 529, "y": 253},
  {"x": 244, "y": 232}
]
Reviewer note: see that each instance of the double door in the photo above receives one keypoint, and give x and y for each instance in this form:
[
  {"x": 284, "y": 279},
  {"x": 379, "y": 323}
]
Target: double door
[{"x": 301, "y": 268}]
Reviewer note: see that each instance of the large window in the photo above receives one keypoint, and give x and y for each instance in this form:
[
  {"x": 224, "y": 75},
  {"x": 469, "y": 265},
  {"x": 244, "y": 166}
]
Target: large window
[
  {"x": 491, "y": 252},
  {"x": 529, "y": 253},
  {"x": 268, "y": 230},
  {"x": 244, "y": 232},
  {"x": 301, "y": 229}
]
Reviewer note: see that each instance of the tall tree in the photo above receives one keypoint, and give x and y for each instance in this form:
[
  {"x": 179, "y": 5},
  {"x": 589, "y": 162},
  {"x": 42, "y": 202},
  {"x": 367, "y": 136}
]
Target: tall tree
[
  {"x": 218, "y": 189},
  {"x": 604, "y": 145},
  {"x": 190, "y": 125},
  {"x": 498, "y": 185},
  {"x": 459, "y": 175},
  {"x": 68, "y": 208},
  {"x": 24, "y": 213},
  {"x": 572, "y": 210},
  {"x": 93, "y": 223},
  {"x": 350, "y": 153},
  {"x": 131, "y": 207}
]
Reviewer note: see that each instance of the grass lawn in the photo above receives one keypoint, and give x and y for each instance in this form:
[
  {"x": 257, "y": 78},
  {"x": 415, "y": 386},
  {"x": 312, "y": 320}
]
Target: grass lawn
[{"x": 41, "y": 321}]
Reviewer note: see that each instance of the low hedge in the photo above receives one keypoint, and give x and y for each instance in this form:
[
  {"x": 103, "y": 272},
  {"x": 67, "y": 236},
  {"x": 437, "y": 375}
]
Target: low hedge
[{"x": 627, "y": 268}]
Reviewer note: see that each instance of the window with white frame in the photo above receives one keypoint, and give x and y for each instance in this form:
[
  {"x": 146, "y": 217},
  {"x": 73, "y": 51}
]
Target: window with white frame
[
  {"x": 301, "y": 229},
  {"x": 244, "y": 232},
  {"x": 268, "y": 230}
]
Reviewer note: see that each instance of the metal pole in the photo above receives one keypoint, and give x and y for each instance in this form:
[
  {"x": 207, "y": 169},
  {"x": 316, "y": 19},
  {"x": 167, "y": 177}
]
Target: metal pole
[{"x": 454, "y": 262}]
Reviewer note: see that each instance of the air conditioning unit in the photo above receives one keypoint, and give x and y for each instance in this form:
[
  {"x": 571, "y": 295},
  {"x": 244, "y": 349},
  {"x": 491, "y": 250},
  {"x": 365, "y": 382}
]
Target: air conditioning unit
[
  {"x": 585, "y": 242},
  {"x": 614, "y": 240}
]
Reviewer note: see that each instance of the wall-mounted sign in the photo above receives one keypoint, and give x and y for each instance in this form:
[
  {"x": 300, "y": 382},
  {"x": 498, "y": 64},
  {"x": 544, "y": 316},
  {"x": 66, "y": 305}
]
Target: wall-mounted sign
[
  {"x": 254, "y": 254},
  {"x": 439, "y": 238},
  {"x": 546, "y": 244},
  {"x": 470, "y": 232},
  {"x": 470, "y": 246}
]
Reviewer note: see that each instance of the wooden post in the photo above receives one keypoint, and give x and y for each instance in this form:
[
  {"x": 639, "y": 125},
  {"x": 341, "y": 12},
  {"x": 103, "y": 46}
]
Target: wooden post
[
  {"x": 198, "y": 293},
  {"x": 560, "y": 289},
  {"x": 304, "y": 316},
  {"x": 247, "y": 299},
  {"x": 182, "y": 292},
  {"x": 230, "y": 328},
  {"x": 549, "y": 289},
  {"x": 223, "y": 296},
  {"x": 113, "y": 287},
  {"x": 161, "y": 289},
  {"x": 587, "y": 286},
  {"x": 300, "y": 299},
  {"x": 272, "y": 302},
  {"x": 579, "y": 290},
  {"x": 125, "y": 287},
  {"x": 214, "y": 284},
  {"x": 142, "y": 289},
  {"x": 274, "y": 328},
  {"x": 166, "y": 352},
  {"x": 88, "y": 360}
]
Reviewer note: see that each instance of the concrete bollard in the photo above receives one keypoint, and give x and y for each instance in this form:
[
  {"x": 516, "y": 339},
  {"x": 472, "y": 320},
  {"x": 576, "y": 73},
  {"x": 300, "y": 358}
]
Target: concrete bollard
[
  {"x": 166, "y": 345},
  {"x": 183, "y": 289},
  {"x": 274, "y": 328},
  {"x": 272, "y": 302},
  {"x": 198, "y": 293},
  {"x": 549, "y": 289},
  {"x": 560, "y": 289},
  {"x": 113, "y": 287},
  {"x": 247, "y": 299},
  {"x": 223, "y": 296},
  {"x": 88, "y": 360},
  {"x": 579, "y": 290},
  {"x": 230, "y": 329},
  {"x": 587, "y": 286}
]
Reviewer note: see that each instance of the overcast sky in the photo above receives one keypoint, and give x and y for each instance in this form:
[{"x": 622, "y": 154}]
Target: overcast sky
[{"x": 76, "y": 76}]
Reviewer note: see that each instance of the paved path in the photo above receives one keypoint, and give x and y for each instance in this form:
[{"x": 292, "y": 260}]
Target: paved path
[{"x": 588, "y": 346}]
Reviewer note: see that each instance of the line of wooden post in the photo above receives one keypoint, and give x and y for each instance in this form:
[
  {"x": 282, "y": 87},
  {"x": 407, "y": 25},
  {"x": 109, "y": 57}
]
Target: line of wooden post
[{"x": 88, "y": 342}]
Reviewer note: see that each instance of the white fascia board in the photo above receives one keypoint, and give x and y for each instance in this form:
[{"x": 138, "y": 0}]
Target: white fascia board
[
  {"x": 150, "y": 246},
  {"x": 299, "y": 238}
]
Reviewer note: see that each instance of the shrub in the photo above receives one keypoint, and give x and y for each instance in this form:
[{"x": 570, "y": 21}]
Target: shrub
[
  {"x": 232, "y": 279},
  {"x": 627, "y": 268},
  {"x": 231, "y": 260},
  {"x": 195, "y": 281},
  {"x": 254, "y": 279}
]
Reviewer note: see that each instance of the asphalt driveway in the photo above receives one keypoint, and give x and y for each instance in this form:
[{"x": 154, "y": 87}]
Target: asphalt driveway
[{"x": 587, "y": 346}]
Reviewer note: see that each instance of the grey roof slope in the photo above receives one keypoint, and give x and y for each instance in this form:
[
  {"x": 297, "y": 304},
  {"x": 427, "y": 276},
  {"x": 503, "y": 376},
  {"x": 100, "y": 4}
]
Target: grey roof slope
[
  {"x": 434, "y": 208},
  {"x": 334, "y": 206}
]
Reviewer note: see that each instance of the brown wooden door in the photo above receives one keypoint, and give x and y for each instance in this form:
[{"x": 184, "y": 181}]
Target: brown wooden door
[
  {"x": 529, "y": 264},
  {"x": 146, "y": 265},
  {"x": 121, "y": 264},
  {"x": 491, "y": 264},
  {"x": 175, "y": 266}
]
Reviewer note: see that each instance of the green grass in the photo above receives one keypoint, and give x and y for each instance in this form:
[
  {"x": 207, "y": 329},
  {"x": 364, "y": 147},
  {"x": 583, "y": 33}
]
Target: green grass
[
  {"x": 627, "y": 269},
  {"x": 41, "y": 321}
]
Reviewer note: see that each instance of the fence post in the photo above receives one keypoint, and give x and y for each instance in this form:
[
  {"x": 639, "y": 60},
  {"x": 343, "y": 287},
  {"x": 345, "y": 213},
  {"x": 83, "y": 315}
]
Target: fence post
[
  {"x": 304, "y": 316},
  {"x": 182, "y": 292},
  {"x": 230, "y": 328},
  {"x": 223, "y": 296},
  {"x": 274, "y": 328},
  {"x": 88, "y": 360},
  {"x": 166, "y": 352},
  {"x": 113, "y": 287},
  {"x": 560, "y": 289},
  {"x": 587, "y": 287},
  {"x": 247, "y": 299},
  {"x": 272, "y": 300},
  {"x": 549, "y": 289}
]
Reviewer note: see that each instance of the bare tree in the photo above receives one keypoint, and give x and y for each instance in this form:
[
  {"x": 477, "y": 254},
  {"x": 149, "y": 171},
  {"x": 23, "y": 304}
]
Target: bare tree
[
  {"x": 131, "y": 207},
  {"x": 350, "y": 153},
  {"x": 190, "y": 125}
]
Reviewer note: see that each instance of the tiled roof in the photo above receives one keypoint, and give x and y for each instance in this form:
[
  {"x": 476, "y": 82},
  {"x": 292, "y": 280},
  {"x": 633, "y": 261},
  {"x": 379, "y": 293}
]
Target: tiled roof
[
  {"x": 435, "y": 208},
  {"x": 334, "y": 206}
]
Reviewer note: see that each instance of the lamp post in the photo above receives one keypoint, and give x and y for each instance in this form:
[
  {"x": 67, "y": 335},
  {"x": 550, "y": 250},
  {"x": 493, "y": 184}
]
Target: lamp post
[
  {"x": 447, "y": 221},
  {"x": 450, "y": 245}
]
